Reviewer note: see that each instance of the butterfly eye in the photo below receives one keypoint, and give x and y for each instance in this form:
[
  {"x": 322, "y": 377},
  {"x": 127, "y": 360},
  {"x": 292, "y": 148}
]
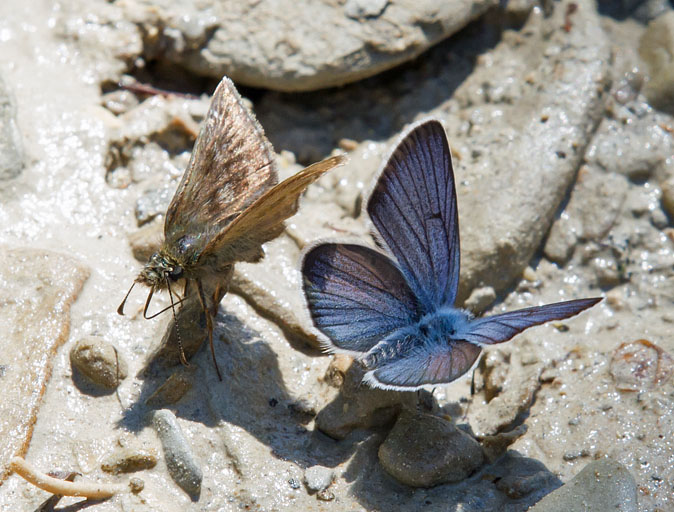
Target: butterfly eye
[{"x": 175, "y": 272}]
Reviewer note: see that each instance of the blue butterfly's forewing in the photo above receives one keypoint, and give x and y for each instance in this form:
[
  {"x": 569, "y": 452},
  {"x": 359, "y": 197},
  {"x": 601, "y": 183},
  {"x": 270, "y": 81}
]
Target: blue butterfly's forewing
[
  {"x": 425, "y": 364},
  {"x": 413, "y": 207},
  {"x": 499, "y": 328},
  {"x": 356, "y": 295}
]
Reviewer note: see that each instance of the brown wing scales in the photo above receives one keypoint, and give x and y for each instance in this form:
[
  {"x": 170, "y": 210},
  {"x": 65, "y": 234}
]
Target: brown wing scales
[
  {"x": 263, "y": 220},
  {"x": 232, "y": 165}
]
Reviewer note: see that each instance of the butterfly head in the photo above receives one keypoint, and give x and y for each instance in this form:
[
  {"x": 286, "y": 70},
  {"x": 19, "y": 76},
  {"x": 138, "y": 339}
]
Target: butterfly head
[
  {"x": 157, "y": 274},
  {"x": 158, "y": 270}
]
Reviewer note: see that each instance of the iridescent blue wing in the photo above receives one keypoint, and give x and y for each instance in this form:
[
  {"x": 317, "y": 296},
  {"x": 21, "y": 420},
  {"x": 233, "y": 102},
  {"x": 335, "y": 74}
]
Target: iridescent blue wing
[
  {"x": 500, "y": 328},
  {"x": 355, "y": 295},
  {"x": 413, "y": 207},
  {"x": 424, "y": 365}
]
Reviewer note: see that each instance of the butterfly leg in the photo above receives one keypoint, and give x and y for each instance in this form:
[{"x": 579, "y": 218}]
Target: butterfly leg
[
  {"x": 220, "y": 290},
  {"x": 209, "y": 324}
]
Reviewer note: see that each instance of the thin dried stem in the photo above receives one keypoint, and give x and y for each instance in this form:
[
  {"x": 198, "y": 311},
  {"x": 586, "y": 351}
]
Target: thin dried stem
[{"x": 91, "y": 490}]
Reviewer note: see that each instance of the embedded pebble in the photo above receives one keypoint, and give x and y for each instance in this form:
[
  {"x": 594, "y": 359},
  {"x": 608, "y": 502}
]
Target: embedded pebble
[
  {"x": 318, "y": 478},
  {"x": 146, "y": 241},
  {"x": 127, "y": 459},
  {"x": 151, "y": 203},
  {"x": 480, "y": 299},
  {"x": 99, "y": 361},
  {"x": 136, "y": 485},
  {"x": 657, "y": 48},
  {"x": 423, "y": 451},
  {"x": 181, "y": 462},
  {"x": 325, "y": 495},
  {"x": 602, "y": 485},
  {"x": 640, "y": 365}
]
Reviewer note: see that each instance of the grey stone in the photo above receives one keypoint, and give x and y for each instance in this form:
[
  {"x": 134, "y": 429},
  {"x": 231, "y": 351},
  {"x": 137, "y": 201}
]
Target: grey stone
[
  {"x": 602, "y": 485},
  {"x": 634, "y": 148},
  {"x": 99, "y": 361},
  {"x": 593, "y": 208},
  {"x": 480, "y": 299},
  {"x": 318, "y": 478},
  {"x": 181, "y": 461},
  {"x": 358, "y": 406},
  {"x": 649, "y": 10},
  {"x": 290, "y": 46},
  {"x": 11, "y": 146},
  {"x": 424, "y": 451},
  {"x": 151, "y": 203},
  {"x": 657, "y": 49},
  {"x": 364, "y": 8}
]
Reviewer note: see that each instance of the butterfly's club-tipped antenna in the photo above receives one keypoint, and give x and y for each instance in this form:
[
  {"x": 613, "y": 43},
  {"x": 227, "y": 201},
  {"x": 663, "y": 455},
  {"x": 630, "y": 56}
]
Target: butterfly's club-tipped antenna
[{"x": 120, "y": 309}]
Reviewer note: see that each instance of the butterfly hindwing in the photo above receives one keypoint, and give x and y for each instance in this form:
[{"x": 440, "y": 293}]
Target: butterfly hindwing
[
  {"x": 355, "y": 295},
  {"x": 499, "y": 328},
  {"x": 413, "y": 207},
  {"x": 263, "y": 220},
  {"x": 423, "y": 365}
]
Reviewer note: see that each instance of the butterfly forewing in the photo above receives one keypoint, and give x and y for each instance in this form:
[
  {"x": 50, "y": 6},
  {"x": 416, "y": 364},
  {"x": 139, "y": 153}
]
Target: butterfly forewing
[
  {"x": 356, "y": 295},
  {"x": 413, "y": 207},
  {"x": 499, "y": 328},
  {"x": 232, "y": 165}
]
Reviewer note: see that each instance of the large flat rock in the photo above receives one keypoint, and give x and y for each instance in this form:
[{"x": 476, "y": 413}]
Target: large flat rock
[
  {"x": 296, "y": 46},
  {"x": 38, "y": 288}
]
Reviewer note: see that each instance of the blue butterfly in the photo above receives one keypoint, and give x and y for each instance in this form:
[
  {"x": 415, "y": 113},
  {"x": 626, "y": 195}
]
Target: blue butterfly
[{"x": 398, "y": 316}]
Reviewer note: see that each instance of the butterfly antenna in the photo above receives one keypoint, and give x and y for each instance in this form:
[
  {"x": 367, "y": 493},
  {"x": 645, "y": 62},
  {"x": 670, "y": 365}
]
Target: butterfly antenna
[
  {"x": 183, "y": 360},
  {"x": 120, "y": 309},
  {"x": 166, "y": 308}
]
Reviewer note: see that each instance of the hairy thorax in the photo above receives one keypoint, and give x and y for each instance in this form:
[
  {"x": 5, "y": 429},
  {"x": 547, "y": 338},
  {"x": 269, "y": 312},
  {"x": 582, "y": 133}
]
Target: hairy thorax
[{"x": 442, "y": 325}]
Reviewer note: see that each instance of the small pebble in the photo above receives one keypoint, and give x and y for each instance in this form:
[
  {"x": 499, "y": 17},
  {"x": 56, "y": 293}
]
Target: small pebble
[
  {"x": 576, "y": 454},
  {"x": 318, "y": 478},
  {"x": 181, "y": 462},
  {"x": 146, "y": 241},
  {"x": 480, "y": 299},
  {"x": 98, "y": 361},
  {"x": 128, "y": 460},
  {"x": 326, "y": 495},
  {"x": 294, "y": 483},
  {"x": 640, "y": 365},
  {"x": 136, "y": 485}
]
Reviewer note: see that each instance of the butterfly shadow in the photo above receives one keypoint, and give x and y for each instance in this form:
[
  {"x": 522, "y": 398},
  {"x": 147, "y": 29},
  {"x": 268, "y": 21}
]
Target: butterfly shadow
[{"x": 252, "y": 394}]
